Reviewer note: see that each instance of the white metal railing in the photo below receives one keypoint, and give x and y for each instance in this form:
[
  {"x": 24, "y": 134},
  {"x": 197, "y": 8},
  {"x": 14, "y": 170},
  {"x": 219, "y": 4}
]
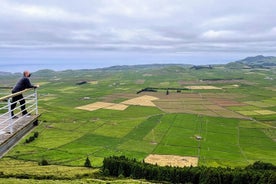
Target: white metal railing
[{"x": 6, "y": 119}]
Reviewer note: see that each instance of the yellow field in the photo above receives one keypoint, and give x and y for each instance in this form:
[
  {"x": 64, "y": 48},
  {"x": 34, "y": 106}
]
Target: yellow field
[
  {"x": 202, "y": 87},
  {"x": 265, "y": 112},
  {"x": 95, "y": 106},
  {"x": 257, "y": 112},
  {"x": 248, "y": 113},
  {"x": 119, "y": 107},
  {"x": 93, "y": 82},
  {"x": 142, "y": 101},
  {"x": 171, "y": 160},
  {"x": 103, "y": 105}
]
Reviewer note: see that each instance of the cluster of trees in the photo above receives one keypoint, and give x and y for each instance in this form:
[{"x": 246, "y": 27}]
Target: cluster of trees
[
  {"x": 151, "y": 89},
  {"x": 201, "y": 67},
  {"x": 121, "y": 166}
]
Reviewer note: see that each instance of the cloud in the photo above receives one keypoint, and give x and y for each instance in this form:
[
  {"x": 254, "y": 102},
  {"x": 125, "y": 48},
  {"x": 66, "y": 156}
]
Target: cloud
[
  {"x": 158, "y": 26},
  {"x": 29, "y": 12},
  {"x": 226, "y": 21},
  {"x": 219, "y": 35}
]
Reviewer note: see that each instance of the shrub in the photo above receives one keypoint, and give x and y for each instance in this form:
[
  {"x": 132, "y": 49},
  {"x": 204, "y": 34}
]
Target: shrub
[
  {"x": 36, "y": 134},
  {"x": 32, "y": 138},
  {"x": 87, "y": 163},
  {"x": 43, "y": 162}
]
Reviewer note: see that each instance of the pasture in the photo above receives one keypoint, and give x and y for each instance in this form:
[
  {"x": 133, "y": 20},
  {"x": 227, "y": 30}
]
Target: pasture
[
  {"x": 224, "y": 141},
  {"x": 218, "y": 125}
]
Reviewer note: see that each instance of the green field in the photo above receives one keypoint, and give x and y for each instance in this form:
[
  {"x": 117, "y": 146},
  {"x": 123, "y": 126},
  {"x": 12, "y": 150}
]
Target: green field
[{"x": 233, "y": 131}]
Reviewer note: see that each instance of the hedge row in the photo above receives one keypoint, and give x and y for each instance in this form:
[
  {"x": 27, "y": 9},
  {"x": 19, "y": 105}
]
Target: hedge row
[{"x": 121, "y": 166}]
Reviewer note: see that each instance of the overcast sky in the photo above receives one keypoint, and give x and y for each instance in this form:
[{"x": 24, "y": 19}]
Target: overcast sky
[{"x": 135, "y": 31}]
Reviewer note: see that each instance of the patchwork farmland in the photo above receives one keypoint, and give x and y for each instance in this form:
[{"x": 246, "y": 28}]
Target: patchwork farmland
[{"x": 213, "y": 123}]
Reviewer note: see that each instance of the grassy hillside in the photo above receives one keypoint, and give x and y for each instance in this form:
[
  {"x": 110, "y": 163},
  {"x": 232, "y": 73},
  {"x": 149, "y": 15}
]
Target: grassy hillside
[
  {"x": 254, "y": 62},
  {"x": 235, "y": 118}
]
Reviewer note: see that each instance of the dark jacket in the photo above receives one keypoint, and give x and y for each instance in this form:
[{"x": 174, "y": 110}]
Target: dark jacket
[{"x": 22, "y": 84}]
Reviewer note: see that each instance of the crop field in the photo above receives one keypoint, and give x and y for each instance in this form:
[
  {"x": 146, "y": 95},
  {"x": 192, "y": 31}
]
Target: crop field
[
  {"x": 142, "y": 101},
  {"x": 203, "y": 87},
  {"x": 197, "y": 104},
  {"x": 224, "y": 141},
  {"x": 171, "y": 160},
  {"x": 232, "y": 126},
  {"x": 102, "y": 105}
]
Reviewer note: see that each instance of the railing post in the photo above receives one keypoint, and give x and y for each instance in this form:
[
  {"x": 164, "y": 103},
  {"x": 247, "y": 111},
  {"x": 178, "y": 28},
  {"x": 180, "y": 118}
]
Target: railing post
[
  {"x": 36, "y": 102},
  {"x": 10, "y": 115}
]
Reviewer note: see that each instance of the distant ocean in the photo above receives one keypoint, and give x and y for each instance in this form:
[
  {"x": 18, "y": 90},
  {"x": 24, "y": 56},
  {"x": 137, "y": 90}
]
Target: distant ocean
[
  {"x": 65, "y": 65},
  {"x": 14, "y": 65},
  {"x": 14, "y": 68}
]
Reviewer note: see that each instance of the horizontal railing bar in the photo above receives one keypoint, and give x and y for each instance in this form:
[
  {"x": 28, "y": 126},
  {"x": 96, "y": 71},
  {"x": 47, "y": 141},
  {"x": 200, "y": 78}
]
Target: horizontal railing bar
[{"x": 14, "y": 94}]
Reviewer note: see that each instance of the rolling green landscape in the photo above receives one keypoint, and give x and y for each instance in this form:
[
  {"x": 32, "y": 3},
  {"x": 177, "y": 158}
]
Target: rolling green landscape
[{"x": 224, "y": 116}]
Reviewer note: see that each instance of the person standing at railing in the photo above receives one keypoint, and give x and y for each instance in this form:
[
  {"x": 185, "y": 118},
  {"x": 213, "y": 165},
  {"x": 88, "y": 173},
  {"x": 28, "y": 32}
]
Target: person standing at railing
[{"x": 22, "y": 84}]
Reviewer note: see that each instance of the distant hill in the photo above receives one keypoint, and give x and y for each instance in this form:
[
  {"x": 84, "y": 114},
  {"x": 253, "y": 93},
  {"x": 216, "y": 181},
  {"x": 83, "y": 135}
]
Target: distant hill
[
  {"x": 254, "y": 62},
  {"x": 45, "y": 72},
  {"x": 122, "y": 67},
  {"x": 4, "y": 73}
]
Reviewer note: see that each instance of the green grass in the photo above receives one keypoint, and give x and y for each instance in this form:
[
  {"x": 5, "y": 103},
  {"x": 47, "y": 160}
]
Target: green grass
[
  {"x": 53, "y": 174},
  {"x": 243, "y": 108},
  {"x": 68, "y": 135},
  {"x": 180, "y": 137},
  {"x": 137, "y": 146},
  {"x": 160, "y": 134}
]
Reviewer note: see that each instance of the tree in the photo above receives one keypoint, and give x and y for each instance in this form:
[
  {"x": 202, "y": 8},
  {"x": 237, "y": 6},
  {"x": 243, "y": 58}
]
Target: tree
[
  {"x": 87, "y": 163},
  {"x": 259, "y": 165}
]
